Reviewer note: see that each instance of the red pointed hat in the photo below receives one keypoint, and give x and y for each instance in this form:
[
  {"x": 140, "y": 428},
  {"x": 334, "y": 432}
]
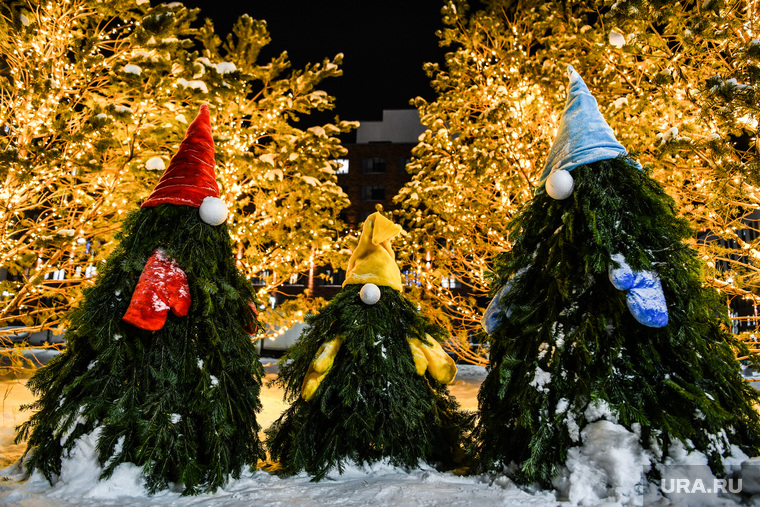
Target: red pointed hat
[{"x": 190, "y": 177}]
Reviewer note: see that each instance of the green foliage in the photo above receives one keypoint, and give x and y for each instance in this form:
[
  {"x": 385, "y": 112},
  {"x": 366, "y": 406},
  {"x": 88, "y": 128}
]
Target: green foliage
[
  {"x": 180, "y": 402},
  {"x": 372, "y": 404},
  {"x": 566, "y": 319}
]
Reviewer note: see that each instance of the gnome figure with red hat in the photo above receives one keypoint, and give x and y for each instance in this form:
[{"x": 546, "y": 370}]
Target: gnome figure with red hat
[{"x": 159, "y": 369}]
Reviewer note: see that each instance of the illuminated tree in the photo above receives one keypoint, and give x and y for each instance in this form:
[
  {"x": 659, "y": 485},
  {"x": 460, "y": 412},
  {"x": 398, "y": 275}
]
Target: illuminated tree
[
  {"x": 279, "y": 179},
  {"x": 159, "y": 368},
  {"x": 94, "y": 98},
  {"x": 676, "y": 82},
  {"x": 475, "y": 164},
  {"x": 79, "y": 114}
]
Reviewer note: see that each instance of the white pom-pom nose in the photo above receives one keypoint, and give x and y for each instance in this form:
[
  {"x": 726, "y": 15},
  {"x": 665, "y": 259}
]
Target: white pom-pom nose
[
  {"x": 559, "y": 185},
  {"x": 213, "y": 211},
  {"x": 370, "y": 293}
]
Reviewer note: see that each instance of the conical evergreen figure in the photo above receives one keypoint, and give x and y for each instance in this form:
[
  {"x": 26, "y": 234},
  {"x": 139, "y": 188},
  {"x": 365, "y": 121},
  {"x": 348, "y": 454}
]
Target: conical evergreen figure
[
  {"x": 159, "y": 360},
  {"x": 367, "y": 378},
  {"x": 600, "y": 313}
]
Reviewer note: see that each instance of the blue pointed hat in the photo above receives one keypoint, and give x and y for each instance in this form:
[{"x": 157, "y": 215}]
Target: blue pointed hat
[{"x": 583, "y": 136}]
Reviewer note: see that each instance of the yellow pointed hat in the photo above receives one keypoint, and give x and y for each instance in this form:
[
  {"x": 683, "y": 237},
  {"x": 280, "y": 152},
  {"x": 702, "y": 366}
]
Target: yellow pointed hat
[{"x": 373, "y": 261}]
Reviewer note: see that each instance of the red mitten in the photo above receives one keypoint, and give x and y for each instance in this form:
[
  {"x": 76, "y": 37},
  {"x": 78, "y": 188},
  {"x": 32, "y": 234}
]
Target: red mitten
[
  {"x": 251, "y": 328},
  {"x": 162, "y": 286}
]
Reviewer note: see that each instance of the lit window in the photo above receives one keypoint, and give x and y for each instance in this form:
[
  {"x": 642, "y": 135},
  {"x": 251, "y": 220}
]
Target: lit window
[
  {"x": 342, "y": 165},
  {"x": 411, "y": 278},
  {"x": 58, "y": 274},
  {"x": 260, "y": 278},
  {"x": 449, "y": 282}
]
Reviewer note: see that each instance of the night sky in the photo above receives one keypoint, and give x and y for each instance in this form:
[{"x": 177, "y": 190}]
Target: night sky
[{"x": 384, "y": 43}]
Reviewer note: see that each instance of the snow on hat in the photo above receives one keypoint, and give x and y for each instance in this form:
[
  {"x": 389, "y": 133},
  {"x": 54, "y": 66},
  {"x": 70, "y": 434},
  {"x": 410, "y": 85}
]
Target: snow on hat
[
  {"x": 190, "y": 178},
  {"x": 373, "y": 261},
  {"x": 583, "y": 136}
]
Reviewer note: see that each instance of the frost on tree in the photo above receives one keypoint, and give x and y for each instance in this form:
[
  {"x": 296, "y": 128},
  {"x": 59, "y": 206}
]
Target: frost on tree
[
  {"x": 367, "y": 378},
  {"x": 600, "y": 314},
  {"x": 160, "y": 363}
]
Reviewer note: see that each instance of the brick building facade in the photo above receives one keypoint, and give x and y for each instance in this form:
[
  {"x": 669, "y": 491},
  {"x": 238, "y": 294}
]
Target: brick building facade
[{"x": 372, "y": 173}]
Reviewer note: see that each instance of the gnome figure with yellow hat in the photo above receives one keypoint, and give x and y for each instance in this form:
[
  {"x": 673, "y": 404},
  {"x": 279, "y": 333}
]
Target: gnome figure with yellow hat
[
  {"x": 602, "y": 329},
  {"x": 159, "y": 369},
  {"x": 367, "y": 379}
]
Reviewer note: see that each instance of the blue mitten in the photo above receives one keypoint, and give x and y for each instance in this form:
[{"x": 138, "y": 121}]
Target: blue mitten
[
  {"x": 644, "y": 295},
  {"x": 495, "y": 311}
]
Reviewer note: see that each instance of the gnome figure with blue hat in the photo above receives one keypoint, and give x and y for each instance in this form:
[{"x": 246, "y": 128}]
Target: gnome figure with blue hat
[
  {"x": 159, "y": 371},
  {"x": 367, "y": 378},
  {"x": 601, "y": 322}
]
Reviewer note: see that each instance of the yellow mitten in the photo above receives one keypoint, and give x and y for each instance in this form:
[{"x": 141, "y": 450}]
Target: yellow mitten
[
  {"x": 319, "y": 368},
  {"x": 420, "y": 361},
  {"x": 431, "y": 356}
]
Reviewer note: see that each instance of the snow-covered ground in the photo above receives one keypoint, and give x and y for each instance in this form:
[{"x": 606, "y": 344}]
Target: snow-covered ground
[{"x": 604, "y": 471}]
